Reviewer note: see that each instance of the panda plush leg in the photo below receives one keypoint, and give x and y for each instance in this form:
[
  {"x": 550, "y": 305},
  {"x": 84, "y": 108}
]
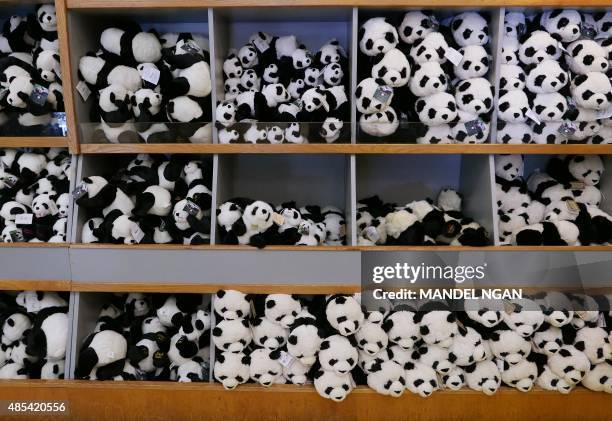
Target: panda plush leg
[
  {"x": 144, "y": 202},
  {"x": 87, "y": 361},
  {"x": 111, "y": 370},
  {"x": 529, "y": 238},
  {"x": 243, "y": 112},
  {"x": 178, "y": 87}
]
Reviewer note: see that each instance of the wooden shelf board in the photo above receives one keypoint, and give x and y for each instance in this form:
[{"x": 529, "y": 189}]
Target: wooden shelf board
[
  {"x": 33, "y": 142},
  {"x": 212, "y": 288},
  {"x": 119, "y": 4},
  {"x": 34, "y": 245},
  {"x": 34, "y": 285},
  {"x": 169, "y": 400},
  {"x": 360, "y": 148}
]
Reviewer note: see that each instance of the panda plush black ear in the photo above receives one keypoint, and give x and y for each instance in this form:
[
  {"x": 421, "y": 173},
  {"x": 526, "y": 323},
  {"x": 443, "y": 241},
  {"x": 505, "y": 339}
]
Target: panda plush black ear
[
  {"x": 246, "y": 360},
  {"x": 217, "y": 331},
  {"x": 221, "y": 358},
  {"x": 292, "y": 339},
  {"x": 318, "y": 374},
  {"x": 256, "y": 321},
  {"x": 270, "y": 303},
  {"x": 324, "y": 345},
  {"x": 469, "y": 368},
  {"x": 579, "y": 346},
  {"x": 424, "y": 330},
  {"x": 275, "y": 355}
]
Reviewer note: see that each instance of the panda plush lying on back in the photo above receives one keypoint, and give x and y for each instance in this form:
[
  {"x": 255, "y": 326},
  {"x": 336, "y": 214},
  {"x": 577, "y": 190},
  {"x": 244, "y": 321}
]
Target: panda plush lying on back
[{"x": 165, "y": 90}]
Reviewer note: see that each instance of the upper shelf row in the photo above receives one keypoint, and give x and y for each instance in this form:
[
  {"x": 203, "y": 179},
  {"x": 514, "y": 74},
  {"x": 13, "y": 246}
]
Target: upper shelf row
[{"x": 80, "y": 24}]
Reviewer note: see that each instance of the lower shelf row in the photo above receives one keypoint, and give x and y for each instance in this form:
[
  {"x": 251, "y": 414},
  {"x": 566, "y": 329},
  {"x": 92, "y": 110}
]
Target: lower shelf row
[{"x": 554, "y": 341}]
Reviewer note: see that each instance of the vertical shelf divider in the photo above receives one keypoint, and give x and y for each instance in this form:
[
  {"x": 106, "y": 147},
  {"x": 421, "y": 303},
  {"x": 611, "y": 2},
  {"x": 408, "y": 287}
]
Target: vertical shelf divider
[
  {"x": 353, "y": 78},
  {"x": 498, "y": 16}
]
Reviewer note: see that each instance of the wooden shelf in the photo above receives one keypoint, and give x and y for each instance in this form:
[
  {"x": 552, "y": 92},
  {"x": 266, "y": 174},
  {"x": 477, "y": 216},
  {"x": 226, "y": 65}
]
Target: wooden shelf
[
  {"x": 35, "y": 285},
  {"x": 119, "y": 4},
  {"x": 188, "y": 148},
  {"x": 33, "y": 142},
  {"x": 168, "y": 400},
  {"x": 212, "y": 288},
  {"x": 209, "y": 247}
]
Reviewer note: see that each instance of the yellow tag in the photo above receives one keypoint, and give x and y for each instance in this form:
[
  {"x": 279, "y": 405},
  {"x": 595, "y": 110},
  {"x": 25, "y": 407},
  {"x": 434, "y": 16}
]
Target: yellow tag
[
  {"x": 572, "y": 206},
  {"x": 342, "y": 230},
  {"x": 581, "y": 314},
  {"x": 577, "y": 185},
  {"x": 509, "y": 307},
  {"x": 278, "y": 218}
]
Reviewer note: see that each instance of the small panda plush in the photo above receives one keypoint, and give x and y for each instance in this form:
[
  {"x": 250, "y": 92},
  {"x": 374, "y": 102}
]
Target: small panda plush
[
  {"x": 475, "y": 62},
  {"x": 483, "y": 377},
  {"x": 421, "y": 379},
  {"x": 232, "y": 335},
  {"x": 539, "y": 46},
  {"x": 265, "y": 368},
  {"x": 338, "y": 354},
  {"x": 231, "y": 304},
  {"x": 393, "y": 68},
  {"x": 513, "y": 106},
  {"x": 436, "y": 109},
  {"x": 232, "y": 369},
  {"x": 432, "y": 47},
  {"x": 563, "y": 25},
  {"x": 387, "y": 378},
  {"x": 416, "y": 25},
  {"x": 569, "y": 364},
  {"x": 333, "y": 386},
  {"x": 428, "y": 78},
  {"x": 592, "y": 91},
  {"x": 377, "y": 36},
  {"x": 546, "y": 77},
  {"x": 586, "y": 56},
  {"x": 304, "y": 339},
  {"x": 344, "y": 314},
  {"x": 470, "y": 28}
]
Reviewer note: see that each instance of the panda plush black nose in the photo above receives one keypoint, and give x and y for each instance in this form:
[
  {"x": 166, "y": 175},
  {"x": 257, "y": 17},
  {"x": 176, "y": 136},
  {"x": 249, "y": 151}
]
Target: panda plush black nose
[
  {"x": 481, "y": 36},
  {"x": 393, "y": 78},
  {"x": 477, "y": 107},
  {"x": 551, "y": 115},
  {"x": 516, "y": 85},
  {"x": 599, "y": 100},
  {"x": 516, "y": 115},
  {"x": 477, "y": 68},
  {"x": 540, "y": 58},
  {"x": 444, "y": 116},
  {"x": 575, "y": 30},
  {"x": 553, "y": 83},
  {"x": 380, "y": 48},
  {"x": 427, "y": 56}
]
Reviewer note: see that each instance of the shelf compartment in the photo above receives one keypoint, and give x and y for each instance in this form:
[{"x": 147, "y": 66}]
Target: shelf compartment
[
  {"x": 34, "y": 262},
  {"x": 312, "y": 26},
  {"x": 33, "y": 142},
  {"x": 85, "y": 27},
  {"x": 323, "y": 180},
  {"x": 402, "y": 179}
]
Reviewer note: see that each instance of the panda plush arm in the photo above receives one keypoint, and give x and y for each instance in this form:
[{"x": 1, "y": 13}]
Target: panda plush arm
[
  {"x": 105, "y": 197},
  {"x": 110, "y": 371},
  {"x": 144, "y": 202}
]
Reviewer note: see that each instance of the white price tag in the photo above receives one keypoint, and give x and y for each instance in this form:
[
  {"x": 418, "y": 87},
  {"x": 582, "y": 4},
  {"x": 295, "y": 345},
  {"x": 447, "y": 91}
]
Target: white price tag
[
  {"x": 261, "y": 45},
  {"x": 601, "y": 321},
  {"x": 150, "y": 74},
  {"x": 577, "y": 185},
  {"x": 572, "y": 206},
  {"x": 83, "y": 90},
  {"x": 500, "y": 365},
  {"x": 137, "y": 233},
  {"x": 371, "y": 234},
  {"x": 24, "y": 219},
  {"x": 278, "y": 219},
  {"x": 285, "y": 359},
  {"x": 604, "y": 114},
  {"x": 530, "y": 114},
  {"x": 453, "y": 56}
]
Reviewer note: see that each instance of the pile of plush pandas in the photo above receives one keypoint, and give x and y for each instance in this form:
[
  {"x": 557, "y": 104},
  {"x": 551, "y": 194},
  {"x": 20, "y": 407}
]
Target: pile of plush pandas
[
  {"x": 415, "y": 69},
  {"x": 30, "y": 74},
  {"x": 555, "y": 78},
  {"x": 33, "y": 334},
  {"x": 335, "y": 343},
  {"x": 421, "y": 222},
  {"x": 258, "y": 223},
  {"x": 148, "y": 337},
  {"x": 34, "y": 197},
  {"x": 154, "y": 199},
  {"x": 299, "y": 97},
  {"x": 559, "y": 207},
  {"x": 148, "y": 87}
]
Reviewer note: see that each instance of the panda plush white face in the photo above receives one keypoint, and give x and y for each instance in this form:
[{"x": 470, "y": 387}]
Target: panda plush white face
[
  {"x": 521, "y": 376},
  {"x": 524, "y": 317},
  {"x": 248, "y": 57},
  {"x": 475, "y": 62},
  {"x": 401, "y": 328},
  {"x": 344, "y": 314},
  {"x": 379, "y": 124},
  {"x": 603, "y": 20},
  {"x": 510, "y": 48},
  {"x": 331, "y": 129},
  {"x": 190, "y": 371},
  {"x": 265, "y": 368},
  {"x": 431, "y": 48},
  {"x": 275, "y": 94},
  {"x": 232, "y": 67},
  {"x": 226, "y": 113},
  {"x": 282, "y": 309},
  {"x": 311, "y": 76},
  {"x": 416, "y": 25},
  {"x": 377, "y": 36},
  {"x": 509, "y": 346},
  {"x": 14, "y": 326},
  {"x": 592, "y": 91},
  {"x": 586, "y": 56},
  {"x": 428, "y": 78},
  {"x": 232, "y": 335},
  {"x": 48, "y": 65},
  {"x": 387, "y": 378},
  {"x": 19, "y": 90},
  {"x": 301, "y": 58},
  {"x": 436, "y": 109},
  {"x": 513, "y": 106},
  {"x": 52, "y": 370},
  {"x": 563, "y": 24},
  {"x": 569, "y": 364},
  {"x": 549, "y": 107},
  {"x": 296, "y": 373},
  {"x": 232, "y": 88},
  {"x": 113, "y": 97},
  {"x": 10, "y": 210},
  {"x": 434, "y": 356},
  {"x": 275, "y": 135},
  {"x": 546, "y": 77},
  {"x": 594, "y": 342},
  {"x": 333, "y": 386},
  {"x": 421, "y": 379},
  {"x": 586, "y": 168},
  {"x": 43, "y": 205},
  {"x": 231, "y": 304},
  {"x": 296, "y": 88},
  {"x": 257, "y": 216},
  {"x": 547, "y": 340},
  {"x": 368, "y": 96},
  {"x": 467, "y": 348},
  {"x": 338, "y": 354},
  {"x": 437, "y": 327},
  {"x": 371, "y": 338},
  {"x": 393, "y": 69},
  {"x": 330, "y": 53},
  {"x": 250, "y": 81},
  {"x": 474, "y": 96},
  {"x": 538, "y": 47},
  {"x": 228, "y": 136},
  {"x": 599, "y": 378},
  {"x": 270, "y": 74},
  {"x": 514, "y": 24},
  {"x": 454, "y": 379},
  {"x": 45, "y": 14},
  {"x": 483, "y": 376},
  {"x": 231, "y": 369},
  {"x": 304, "y": 341},
  {"x": 470, "y": 28}
]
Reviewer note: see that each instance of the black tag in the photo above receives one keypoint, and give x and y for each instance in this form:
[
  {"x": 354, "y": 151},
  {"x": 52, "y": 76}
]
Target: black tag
[
  {"x": 474, "y": 127},
  {"x": 10, "y": 180},
  {"x": 567, "y": 129},
  {"x": 162, "y": 226},
  {"x": 304, "y": 230},
  {"x": 520, "y": 29},
  {"x": 79, "y": 191},
  {"x": 587, "y": 31},
  {"x": 191, "y": 208},
  {"x": 16, "y": 236},
  {"x": 39, "y": 94}
]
